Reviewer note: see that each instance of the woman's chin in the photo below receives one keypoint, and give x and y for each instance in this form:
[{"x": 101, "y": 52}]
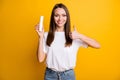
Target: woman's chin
[{"x": 60, "y": 25}]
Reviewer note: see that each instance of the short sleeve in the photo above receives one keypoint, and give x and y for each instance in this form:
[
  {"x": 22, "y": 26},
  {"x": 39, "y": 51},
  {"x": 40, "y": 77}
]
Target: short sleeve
[
  {"x": 80, "y": 43},
  {"x": 45, "y": 47}
]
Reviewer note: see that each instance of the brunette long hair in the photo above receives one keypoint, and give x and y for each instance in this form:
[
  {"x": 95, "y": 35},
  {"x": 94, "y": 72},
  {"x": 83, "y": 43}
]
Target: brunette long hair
[{"x": 52, "y": 26}]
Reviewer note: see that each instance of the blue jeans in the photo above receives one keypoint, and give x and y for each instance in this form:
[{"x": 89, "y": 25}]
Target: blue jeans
[{"x": 54, "y": 75}]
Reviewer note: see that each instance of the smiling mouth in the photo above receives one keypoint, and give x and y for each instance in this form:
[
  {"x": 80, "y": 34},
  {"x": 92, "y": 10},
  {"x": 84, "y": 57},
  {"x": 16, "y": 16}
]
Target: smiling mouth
[{"x": 59, "y": 23}]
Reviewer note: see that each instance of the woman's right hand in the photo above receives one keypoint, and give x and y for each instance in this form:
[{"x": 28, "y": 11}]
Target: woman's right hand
[{"x": 40, "y": 33}]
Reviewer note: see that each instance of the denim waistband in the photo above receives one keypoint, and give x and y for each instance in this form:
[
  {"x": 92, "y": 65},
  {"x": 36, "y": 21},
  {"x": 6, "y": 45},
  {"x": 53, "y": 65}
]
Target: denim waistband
[
  {"x": 59, "y": 75},
  {"x": 58, "y": 71}
]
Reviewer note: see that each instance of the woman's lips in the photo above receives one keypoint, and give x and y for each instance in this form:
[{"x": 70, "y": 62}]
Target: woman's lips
[{"x": 59, "y": 22}]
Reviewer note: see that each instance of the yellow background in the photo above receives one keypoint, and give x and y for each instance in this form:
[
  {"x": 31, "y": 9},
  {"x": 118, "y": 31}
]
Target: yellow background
[{"x": 98, "y": 19}]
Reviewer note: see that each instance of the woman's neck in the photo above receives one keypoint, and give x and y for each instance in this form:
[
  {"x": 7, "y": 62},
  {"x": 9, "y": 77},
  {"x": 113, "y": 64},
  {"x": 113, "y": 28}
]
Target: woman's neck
[{"x": 59, "y": 29}]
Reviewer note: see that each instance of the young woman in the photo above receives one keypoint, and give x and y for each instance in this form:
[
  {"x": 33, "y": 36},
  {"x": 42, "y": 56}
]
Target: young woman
[{"x": 59, "y": 46}]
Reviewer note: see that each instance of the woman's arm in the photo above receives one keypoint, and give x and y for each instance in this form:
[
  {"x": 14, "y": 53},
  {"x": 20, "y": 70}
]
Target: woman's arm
[
  {"x": 41, "y": 54},
  {"x": 91, "y": 42}
]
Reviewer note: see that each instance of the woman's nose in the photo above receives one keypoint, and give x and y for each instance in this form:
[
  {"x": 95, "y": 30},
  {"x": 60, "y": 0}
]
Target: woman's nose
[{"x": 60, "y": 17}]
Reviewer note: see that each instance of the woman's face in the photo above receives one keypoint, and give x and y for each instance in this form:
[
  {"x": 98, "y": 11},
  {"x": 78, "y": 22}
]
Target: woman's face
[{"x": 60, "y": 17}]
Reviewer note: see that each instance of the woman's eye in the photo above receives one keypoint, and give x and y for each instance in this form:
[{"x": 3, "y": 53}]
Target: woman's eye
[
  {"x": 64, "y": 15},
  {"x": 56, "y": 15},
  {"x": 60, "y": 15}
]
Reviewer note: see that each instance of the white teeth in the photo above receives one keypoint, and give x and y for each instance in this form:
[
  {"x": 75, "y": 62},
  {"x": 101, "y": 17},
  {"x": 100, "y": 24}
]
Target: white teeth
[{"x": 60, "y": 22}]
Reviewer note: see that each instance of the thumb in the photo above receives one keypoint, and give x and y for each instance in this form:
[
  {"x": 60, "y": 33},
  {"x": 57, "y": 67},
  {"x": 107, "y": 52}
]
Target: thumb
[{"x": 74, "y": 27}]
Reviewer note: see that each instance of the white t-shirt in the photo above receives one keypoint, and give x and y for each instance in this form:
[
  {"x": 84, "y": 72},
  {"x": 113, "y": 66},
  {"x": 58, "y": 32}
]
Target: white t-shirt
[{"x": 59, "y": 57}]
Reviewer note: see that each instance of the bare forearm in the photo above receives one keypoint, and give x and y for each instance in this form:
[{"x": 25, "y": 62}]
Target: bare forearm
[
  {"x": 41, "y": 54},
  {"x": 91, "y": 42}
]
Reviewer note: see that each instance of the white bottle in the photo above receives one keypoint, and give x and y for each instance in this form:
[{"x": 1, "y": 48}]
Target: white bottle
[{"x": 41, "y": 23}]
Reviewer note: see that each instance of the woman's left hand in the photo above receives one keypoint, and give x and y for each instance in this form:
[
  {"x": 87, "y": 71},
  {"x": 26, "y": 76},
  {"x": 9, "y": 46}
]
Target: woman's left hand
[
  {"x": 74, "y": 34},
  {"x": 91, "y": 42}
]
